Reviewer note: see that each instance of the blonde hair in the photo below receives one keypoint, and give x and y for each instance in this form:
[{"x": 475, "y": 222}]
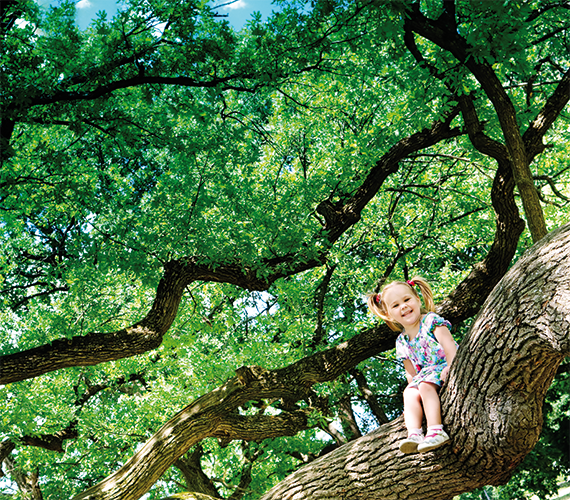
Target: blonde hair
[{"x": 377, "y": 305}]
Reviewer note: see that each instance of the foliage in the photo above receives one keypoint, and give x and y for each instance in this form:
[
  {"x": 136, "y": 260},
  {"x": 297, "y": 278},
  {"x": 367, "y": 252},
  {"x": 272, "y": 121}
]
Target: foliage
[{"x": 164, "y": 134}]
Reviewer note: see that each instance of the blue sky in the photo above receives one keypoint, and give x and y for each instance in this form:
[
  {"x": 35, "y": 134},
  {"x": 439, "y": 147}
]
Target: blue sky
[{"x": 238, "y": 12}]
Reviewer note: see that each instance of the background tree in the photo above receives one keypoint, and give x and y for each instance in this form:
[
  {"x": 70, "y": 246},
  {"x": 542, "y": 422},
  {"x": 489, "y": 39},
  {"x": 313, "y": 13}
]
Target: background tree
[{"x": 180, "y": 200}]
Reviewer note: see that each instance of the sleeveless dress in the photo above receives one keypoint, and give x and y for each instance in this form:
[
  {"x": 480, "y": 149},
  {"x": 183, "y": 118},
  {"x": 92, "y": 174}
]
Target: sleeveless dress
[{"x": 424, "y": 351}]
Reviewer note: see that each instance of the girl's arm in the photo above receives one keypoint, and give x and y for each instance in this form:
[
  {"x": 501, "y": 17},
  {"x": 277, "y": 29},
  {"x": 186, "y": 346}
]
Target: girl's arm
[
  {"x": 443, "y": 336},
  {"x": 410, "y": 370}
]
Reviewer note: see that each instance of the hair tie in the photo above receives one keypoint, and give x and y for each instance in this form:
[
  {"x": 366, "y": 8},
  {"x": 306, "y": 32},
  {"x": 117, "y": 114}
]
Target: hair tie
[
  {"x": 411, "y": 283},
  {"x": 377, "y": 298}
]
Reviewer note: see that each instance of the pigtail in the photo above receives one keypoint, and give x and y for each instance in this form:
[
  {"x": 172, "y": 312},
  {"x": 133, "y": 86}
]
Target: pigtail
[
  {"x": 425, "y": 290},
  {"x": 373, "y": 301},
  {"x": 378, "y": 308}
]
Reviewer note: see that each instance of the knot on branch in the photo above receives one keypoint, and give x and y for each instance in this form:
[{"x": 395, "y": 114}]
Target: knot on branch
[
  {"x": 248, "y": 374},
  {"x": 337, "y": 215}
]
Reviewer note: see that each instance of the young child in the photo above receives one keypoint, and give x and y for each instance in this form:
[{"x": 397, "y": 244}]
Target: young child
[{"x": 427, "y": 348}]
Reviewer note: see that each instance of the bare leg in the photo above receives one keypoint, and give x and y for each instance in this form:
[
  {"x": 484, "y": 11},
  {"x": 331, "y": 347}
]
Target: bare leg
[
  {"x": 430, "y": 400},
  {"x": 413, "y": 411}
]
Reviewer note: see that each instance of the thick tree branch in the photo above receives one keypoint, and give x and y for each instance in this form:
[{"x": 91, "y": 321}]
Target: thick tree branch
[
  {"x": 293, "y": 383},
  {"x": 509, "y": 226},
  {"x": 52, "y": 442},
  {"x": 467, "y": 298},
  {"x": 340, "y": 217},
  {"x": 475, "y": 129}
]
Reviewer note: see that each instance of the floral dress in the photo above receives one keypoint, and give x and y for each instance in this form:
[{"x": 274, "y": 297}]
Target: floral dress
[{"x": 424, "y": 351}]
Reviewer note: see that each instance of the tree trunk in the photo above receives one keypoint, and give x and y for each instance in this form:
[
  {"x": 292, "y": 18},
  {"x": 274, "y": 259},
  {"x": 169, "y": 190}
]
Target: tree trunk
[{"x": 492, "y": 404}]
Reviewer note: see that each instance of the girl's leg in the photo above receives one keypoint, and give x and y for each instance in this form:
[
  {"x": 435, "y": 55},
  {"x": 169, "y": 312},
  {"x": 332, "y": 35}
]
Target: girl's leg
[
  {"x": 413, "y": 412},
  {"x": 432, "y": 406},
  {"x": 413, "y": 416},
  {"x": 435, "y": 436}
]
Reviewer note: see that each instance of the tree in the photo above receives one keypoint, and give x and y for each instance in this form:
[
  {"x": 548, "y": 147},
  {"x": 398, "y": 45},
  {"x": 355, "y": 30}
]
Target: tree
[
  {"x": 496, "y": 420},
  {"x": 182, "y": 202}
]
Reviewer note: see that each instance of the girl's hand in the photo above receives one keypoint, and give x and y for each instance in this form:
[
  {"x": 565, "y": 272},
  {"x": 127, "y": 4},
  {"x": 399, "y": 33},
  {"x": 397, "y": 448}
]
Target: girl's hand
[{"x": 444, "y": 373}]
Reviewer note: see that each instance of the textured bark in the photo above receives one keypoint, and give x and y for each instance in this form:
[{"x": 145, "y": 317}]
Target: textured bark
[
  {"x": 190, "y": 496},
  {"x": 215, "y": 414},
  {"x": 294, "y": 382},
  {"x": 492, "y": 404},
  {"x": 194, "y": 477}
]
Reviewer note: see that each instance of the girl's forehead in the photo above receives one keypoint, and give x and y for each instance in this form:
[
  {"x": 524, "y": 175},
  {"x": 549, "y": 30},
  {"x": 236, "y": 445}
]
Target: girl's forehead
[{"x": 395, "y": 292}]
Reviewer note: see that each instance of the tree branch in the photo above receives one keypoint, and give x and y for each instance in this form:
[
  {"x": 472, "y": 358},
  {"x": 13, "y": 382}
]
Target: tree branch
[
  {"x": 452, "y": 41},
  {"x": 548, "y": 114},
  {"x": 214, "y": 414}
]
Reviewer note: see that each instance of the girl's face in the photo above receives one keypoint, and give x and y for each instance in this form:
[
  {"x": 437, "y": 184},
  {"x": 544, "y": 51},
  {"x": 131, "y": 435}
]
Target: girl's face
[{"x": 402, "y": 306}]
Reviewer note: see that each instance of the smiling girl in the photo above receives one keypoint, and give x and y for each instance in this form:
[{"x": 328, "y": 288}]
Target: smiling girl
[{"x": 427, "y": 349}]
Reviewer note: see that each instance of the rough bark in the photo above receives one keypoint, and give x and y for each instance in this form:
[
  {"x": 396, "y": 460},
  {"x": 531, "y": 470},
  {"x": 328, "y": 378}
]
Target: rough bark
[
  {"x": 147, "y": 334},
  {"x": 331, "y": 363},
  {"x": 492, "y": 404},
  {"x": 216, "y": 413},
  {"x": 194, "y": 477}
]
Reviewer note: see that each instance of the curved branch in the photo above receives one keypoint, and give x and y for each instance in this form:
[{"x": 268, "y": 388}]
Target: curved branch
[
  {"x": 453, "y": 42},
  {"x": 215, "y": 415},
  {"x": 551, "y": 110},
  {"x": 466, "y": 300},
  {"x": 208, "y": 416}
]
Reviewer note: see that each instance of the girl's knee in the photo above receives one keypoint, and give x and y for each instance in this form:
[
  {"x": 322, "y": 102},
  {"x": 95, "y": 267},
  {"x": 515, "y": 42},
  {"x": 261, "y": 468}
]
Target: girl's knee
[
  {"x": 428, "y": 388},
  {"x": 411, "y": 393}
]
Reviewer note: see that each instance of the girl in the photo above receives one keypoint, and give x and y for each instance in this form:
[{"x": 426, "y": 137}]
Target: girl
[{"x": 427, "y": 348}]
